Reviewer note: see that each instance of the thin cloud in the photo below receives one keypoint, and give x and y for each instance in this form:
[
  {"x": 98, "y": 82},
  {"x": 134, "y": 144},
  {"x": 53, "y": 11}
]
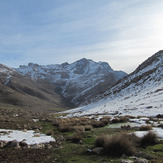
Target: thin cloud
[{"x": 123, "y": 33}]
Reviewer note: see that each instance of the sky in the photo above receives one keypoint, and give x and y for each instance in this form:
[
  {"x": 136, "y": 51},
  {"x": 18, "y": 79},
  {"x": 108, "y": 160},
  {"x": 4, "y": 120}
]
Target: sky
[{"x": 122, "y": 33}]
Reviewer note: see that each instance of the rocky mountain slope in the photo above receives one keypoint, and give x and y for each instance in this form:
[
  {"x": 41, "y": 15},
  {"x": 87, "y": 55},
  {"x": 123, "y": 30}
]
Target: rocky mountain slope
[
  {"x": 76, "y": 82},
  {"x": 20, "y": 91},
  {"x": 140, "y": 93}
]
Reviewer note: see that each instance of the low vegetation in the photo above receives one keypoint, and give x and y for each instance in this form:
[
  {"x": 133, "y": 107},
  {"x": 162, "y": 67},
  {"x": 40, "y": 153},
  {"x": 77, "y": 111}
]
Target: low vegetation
[
  {"x": 77, "y": 139},
  {"x": 149, "y": 139},
  {"x": 145, "y": 128}
]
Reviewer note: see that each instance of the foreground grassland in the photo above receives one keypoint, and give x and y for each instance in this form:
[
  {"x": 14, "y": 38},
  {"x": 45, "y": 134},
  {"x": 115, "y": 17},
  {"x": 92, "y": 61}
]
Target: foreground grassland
[{"x": 77, "y": 139}]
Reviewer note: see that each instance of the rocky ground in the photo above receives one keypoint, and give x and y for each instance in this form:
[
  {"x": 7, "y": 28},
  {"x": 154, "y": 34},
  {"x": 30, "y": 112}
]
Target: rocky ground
[{"x": 75, "y": 138}]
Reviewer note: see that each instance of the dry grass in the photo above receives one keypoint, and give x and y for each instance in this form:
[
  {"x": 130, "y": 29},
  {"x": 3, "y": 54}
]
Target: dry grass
[
  {"x": 119, "y": 145},
  {"x": 120, "y": 119},
  {"x": 79, "y": 128},
  {"x": 149, "y": 139},
  {"x": 97, "y": 124},
  {"x": 116, "y": 145},
  {"x": 64, "y": 127},
  {"x": 79, "y": 123},
  {"x": 105, "y": 120},
  {"x": 88, "y": 128},
  {"x": 49, "y": 132},
  {"x": 145, "y": 128},
  {"x": 101, "y": 140}
]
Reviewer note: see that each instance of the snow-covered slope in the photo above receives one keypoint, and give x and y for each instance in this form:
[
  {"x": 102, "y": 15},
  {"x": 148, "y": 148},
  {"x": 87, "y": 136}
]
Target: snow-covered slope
[
  {"x": 140, "y": 93},
  {"x": 5, "y": 73},
  {"x": 78, "y": 81}
]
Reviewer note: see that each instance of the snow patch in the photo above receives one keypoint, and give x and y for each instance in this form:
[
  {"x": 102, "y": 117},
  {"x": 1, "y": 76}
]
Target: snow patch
[{"x": 30, "y": 137}]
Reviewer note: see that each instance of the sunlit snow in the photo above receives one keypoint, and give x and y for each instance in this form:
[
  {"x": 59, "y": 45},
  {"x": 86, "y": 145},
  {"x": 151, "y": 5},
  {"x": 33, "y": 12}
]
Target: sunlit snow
[{"x": 30, "y": 137}]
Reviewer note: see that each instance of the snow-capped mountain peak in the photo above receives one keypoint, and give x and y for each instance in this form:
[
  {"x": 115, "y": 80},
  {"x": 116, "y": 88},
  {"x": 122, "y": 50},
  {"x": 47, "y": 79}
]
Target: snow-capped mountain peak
[
  {"x": 139, "y": 93},
  {"x": 76, "y": 81}
]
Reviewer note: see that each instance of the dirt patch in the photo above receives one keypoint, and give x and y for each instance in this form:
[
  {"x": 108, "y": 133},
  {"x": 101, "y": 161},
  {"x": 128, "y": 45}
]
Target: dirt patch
[{"x": 27, "y": 156}]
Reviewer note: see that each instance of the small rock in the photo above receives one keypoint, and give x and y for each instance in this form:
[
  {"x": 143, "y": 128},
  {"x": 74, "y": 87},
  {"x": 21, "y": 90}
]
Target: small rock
[
  {"x": 36, "y": 135},
  {"x": 133, "y": 157},
  {"x": 23, "y": 144},
  {"x": 48, "y": 146},
  {"x": 27, "y": 147},
  {"x": 38, "y": 146},
  {"x": 13, "y": 144},
  {"x": 25, "y": 130},
  {"x": 1, "y": 144},
  {"x": 126, "y": 161},
  {"x": 97, "y": 150},
  {"x": 143, "y": 155},
  {"x": 141, "y": 160}
]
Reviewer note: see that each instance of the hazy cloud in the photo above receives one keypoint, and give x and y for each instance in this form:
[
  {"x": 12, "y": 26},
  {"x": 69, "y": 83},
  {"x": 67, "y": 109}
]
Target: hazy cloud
[{"x": 123, "y": 33}]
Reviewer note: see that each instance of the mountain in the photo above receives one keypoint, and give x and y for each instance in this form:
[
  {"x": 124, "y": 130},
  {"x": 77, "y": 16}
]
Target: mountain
[
  {"x": 76, "y": 82},
  {"x": 139, "y": 93},
  {"x": 19, "y": 91}
]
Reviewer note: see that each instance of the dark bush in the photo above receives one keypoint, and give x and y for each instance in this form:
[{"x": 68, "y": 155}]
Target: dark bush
[
  {"x": 105, "y": 120},
  {"x": 88, "y": 128},
  {"x": 101, "y": 140},
  {"x": 119, "y": 120},
  {"x": 64, "y": 128},
  {"x": 119, "y": 145},
  {"x": 97, "y": 124},
  {"x": 145, "y": 128},
  {"x": 159, "y": 116},
  {"x": 77, "y": 137},
  {"x": 160, "y": 125},
  {"x": 149, "y": 139},
  {"x": 116, "y": 145}
]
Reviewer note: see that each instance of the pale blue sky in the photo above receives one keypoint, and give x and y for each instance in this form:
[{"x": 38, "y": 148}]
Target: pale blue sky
[{"x": 121, "y": 32}]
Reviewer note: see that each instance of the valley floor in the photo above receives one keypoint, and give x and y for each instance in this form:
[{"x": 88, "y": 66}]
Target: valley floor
[{"x": 76, "y": 137}]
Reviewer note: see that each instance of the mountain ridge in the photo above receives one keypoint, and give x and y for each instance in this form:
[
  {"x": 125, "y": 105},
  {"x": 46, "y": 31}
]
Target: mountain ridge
[
  {"x": 20, "y": 91},
  {"x": 75, "y": 81},
  {"x": 139, "y": 93}
]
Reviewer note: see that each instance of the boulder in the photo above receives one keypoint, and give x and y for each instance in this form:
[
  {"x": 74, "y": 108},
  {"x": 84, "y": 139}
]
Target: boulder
[
  {"x": 48, "y": 146},
  {"x": 23, "y": 144},
  {"x": 13, "y": 144}
]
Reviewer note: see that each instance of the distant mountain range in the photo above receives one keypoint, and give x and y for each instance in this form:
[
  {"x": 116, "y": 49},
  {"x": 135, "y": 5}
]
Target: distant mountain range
[
  {"x": 76, "y": 82},
  {"x": 55, "y": 87},
  {"x": 19, "y": 91},
  {"x": 139, "y": 93}
]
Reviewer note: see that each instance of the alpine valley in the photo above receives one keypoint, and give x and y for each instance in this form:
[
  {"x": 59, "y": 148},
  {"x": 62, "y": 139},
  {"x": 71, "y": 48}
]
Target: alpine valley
[
  {"x": 82, "y": 112},
  {"x": 76, "y": 82}
]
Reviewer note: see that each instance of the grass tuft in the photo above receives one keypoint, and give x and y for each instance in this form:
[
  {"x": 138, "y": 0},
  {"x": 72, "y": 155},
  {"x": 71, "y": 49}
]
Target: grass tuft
[{"x": 149, "y": 139}]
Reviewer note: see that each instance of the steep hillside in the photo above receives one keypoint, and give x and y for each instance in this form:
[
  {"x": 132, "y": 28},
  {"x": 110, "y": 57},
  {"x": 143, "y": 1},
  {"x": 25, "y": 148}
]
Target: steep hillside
[
  {"x": 19, "y": 91},
  {"x": 78, "y": 81},
  {"x": 140, "y": 93}
]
